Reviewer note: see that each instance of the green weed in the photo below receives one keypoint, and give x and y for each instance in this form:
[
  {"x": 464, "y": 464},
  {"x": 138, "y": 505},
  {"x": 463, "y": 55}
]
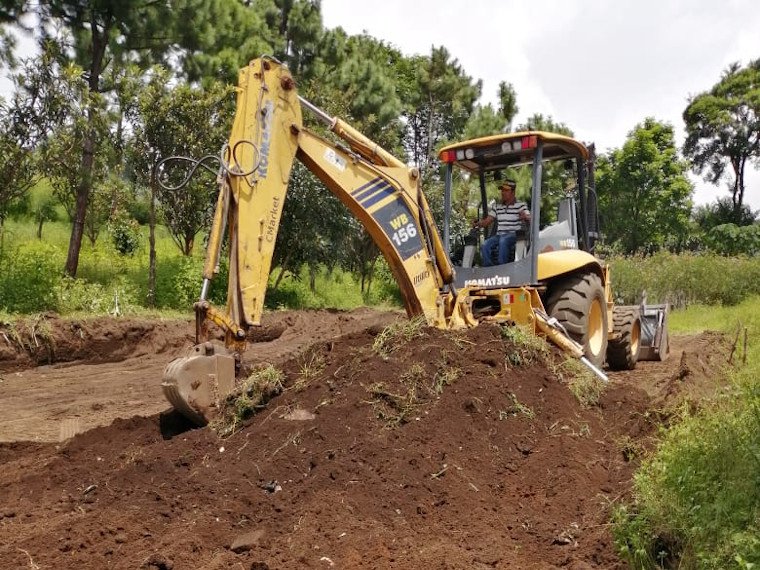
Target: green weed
[
  {"x": 252, "y": 395},
  {"x": 526, "y": 346},
  {"x": 516, "y": 408},
  {"x": 310, "y": 366},
  {"x": 397, "y": 334},
  {"x": 586, "y": 386}
]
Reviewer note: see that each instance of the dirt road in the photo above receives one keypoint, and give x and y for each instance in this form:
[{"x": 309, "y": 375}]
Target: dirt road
[{"x": 445, "y": 453}]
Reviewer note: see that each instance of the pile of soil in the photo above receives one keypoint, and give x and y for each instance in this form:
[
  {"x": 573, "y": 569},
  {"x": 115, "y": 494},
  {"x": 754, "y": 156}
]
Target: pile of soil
[{"x": 446, "y": 450}]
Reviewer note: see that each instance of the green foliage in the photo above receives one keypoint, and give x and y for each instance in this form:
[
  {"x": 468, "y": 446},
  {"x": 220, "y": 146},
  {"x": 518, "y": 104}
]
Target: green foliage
[
  {"x": 44, "y": 210},
  {"x": 685, "y": 279},
  {"x": 219, "y": 37},
  {"x": 483, "y": 121},
  {"x": 644, "y": 193},
  {"x": 539, "y": 122},
  {"x": 125, "y": 233},
  {"x": 720, "y": 212},
  {"x": 118, "y": 297},
  {"x": 178, "y": 283},
  {"x": 441, "y": 99},
  {"x": 331, "y": 289},
  {"x": 728, "y": 239},
  {"x": 723, "y": 128},
  {"x": 696, "y": 501},
  {"x": 161, "y": 121},
  {"x": 29, "y": 274},
  {"x": 525, "y": 346},
  {"x": 698, "y": 498}
]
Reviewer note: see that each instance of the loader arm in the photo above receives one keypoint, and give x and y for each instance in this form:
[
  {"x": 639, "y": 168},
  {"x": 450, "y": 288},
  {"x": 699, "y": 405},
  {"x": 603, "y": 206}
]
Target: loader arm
[{"x": 381, "y": 191}]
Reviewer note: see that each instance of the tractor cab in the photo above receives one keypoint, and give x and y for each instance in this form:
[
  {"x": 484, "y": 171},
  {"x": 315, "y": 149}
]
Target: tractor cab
[{"x": 554, "y": 175}]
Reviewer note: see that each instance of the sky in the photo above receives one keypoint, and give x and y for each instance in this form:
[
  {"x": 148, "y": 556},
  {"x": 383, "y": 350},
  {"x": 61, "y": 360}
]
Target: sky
[{"x": 599, "y": 66}]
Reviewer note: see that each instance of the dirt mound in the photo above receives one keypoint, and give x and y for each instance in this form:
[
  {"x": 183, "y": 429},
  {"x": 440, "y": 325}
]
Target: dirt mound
[
  {"x": 48, "y": 339},
  {"x": 437, "y": 452}
]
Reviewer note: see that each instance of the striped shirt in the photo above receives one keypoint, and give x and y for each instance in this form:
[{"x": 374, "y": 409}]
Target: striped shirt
[{"x": 508, "y": 216}]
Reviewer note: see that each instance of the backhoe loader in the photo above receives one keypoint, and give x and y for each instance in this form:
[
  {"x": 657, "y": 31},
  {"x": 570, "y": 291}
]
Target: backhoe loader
[{"x": 555, "y": 287}]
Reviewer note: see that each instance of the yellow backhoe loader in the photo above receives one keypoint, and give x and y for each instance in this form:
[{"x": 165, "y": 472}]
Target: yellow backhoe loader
[{"x": 555, "y": 286}]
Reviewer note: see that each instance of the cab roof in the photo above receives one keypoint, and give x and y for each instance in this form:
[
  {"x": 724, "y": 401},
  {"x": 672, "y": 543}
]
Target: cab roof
[{"x": 511, "y": 149}]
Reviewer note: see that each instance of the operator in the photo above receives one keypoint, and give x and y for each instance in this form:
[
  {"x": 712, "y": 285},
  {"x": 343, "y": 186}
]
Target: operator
[{"x": 509, "y": 215}]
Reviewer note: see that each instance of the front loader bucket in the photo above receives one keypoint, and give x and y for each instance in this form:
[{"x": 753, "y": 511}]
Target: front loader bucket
[
  {"x": 197, "y": 384},
  {"x": 655, "y": 343}
]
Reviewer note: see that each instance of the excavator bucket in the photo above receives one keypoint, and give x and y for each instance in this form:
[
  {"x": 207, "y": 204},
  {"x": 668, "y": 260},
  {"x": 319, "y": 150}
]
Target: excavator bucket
[
  {"x": 655, "y": 344},
  {"x": 196, "y": 384}
]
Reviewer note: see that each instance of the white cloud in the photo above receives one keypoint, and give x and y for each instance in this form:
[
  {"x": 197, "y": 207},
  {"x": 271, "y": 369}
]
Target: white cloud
[{"x": 599, "y": 66}]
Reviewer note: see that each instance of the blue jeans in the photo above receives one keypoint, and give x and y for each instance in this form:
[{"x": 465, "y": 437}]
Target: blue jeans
[{"x": 506, "y": 246}]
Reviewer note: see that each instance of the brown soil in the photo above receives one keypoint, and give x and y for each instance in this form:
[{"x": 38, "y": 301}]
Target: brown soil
[{"x": 364, "y": 461}]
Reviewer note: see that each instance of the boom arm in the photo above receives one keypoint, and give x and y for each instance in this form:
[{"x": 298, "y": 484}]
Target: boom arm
[{"x": 380, "y": 190}]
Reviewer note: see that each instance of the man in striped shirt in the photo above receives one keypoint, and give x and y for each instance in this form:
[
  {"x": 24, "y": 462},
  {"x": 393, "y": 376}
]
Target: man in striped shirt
[{"x": 509, "y": 216}]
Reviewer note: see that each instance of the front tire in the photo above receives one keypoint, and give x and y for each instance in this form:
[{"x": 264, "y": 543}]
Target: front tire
[{"x": 579, "y": 304}]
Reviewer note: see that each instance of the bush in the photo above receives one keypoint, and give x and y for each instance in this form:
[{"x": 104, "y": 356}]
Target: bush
[
  {"x": 29, "y": 274},
  {"x": 729, "y": 239},
  {"x": 685, "y": 279},
  {"x": 698, "y": 498},
  {"x": 125, "y": 233},
  {"x": 179, "y": 279},
  {"x": 81, "y": 296}
]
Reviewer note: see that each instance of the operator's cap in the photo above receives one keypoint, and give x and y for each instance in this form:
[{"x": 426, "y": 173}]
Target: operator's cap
[{"x": 507, "y": 184}]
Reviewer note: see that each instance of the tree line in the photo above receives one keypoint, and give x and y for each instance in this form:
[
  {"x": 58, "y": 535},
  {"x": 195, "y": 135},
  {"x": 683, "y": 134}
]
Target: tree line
[{"x": 119, "y": 86}]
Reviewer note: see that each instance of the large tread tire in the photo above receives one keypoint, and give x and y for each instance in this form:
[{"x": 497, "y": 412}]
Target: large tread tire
[
  {"x": 623, "y": 348},
  {"x": 579, "y": 304}
]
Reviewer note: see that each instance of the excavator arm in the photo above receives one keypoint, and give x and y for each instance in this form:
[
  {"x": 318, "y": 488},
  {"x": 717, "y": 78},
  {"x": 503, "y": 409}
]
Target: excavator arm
[{"x": 381, "y": 191}]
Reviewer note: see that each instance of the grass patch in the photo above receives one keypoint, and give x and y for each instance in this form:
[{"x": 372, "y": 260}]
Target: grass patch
[
  {"x": 253, "y": 394},
  {"x": 516, "y": 408},
  {"x": 696, "y": 500},
  {"x": 395, "y": 409},
  {"x": 685, "y": 279},
  {"x": 526, "y": 346},
  {"x": 32, "y": 278},
  {"x": 397, "y": 334},
  {"x": 311, "y": 365},
  {"x": 586, "y": 386}
]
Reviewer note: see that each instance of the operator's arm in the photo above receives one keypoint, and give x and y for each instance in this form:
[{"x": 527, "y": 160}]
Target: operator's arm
[
  {"x": 484, "y": 222},
  {"x": 524, "y": 212}
]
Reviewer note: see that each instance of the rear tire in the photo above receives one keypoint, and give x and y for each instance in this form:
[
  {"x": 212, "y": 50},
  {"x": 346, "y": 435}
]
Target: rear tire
[
  {"x": 623, "y": 350},
  {"x": 579, "y": 304}
]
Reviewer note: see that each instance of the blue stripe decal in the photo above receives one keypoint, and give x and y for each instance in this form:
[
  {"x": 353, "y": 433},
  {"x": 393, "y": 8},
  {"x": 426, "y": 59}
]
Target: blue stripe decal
[
  {"x": 372, "y": 192},
  {"x": 368, "y": 188},
  {"x": 374, "y": 198}
]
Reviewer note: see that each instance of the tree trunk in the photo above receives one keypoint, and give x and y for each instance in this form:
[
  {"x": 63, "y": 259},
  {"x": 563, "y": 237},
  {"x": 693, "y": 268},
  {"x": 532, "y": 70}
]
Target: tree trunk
[
  {"x": 83, "y": 197},
  {"x": 152, "y": 243},
  {"x": 279, "y": 278},
  {"x": 39, "y": 227},
  {"x": 99, "y": 43}
]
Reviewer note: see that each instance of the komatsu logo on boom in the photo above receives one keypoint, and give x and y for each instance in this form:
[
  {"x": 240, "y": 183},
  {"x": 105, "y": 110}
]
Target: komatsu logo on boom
[{"x": 266, "y": 137}]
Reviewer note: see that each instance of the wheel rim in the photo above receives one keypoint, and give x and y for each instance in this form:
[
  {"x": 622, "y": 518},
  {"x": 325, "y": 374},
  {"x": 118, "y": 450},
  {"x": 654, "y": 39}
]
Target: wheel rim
[
  {"x": 635, "y": 338},
  {"x": 595, "y": 328}
]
